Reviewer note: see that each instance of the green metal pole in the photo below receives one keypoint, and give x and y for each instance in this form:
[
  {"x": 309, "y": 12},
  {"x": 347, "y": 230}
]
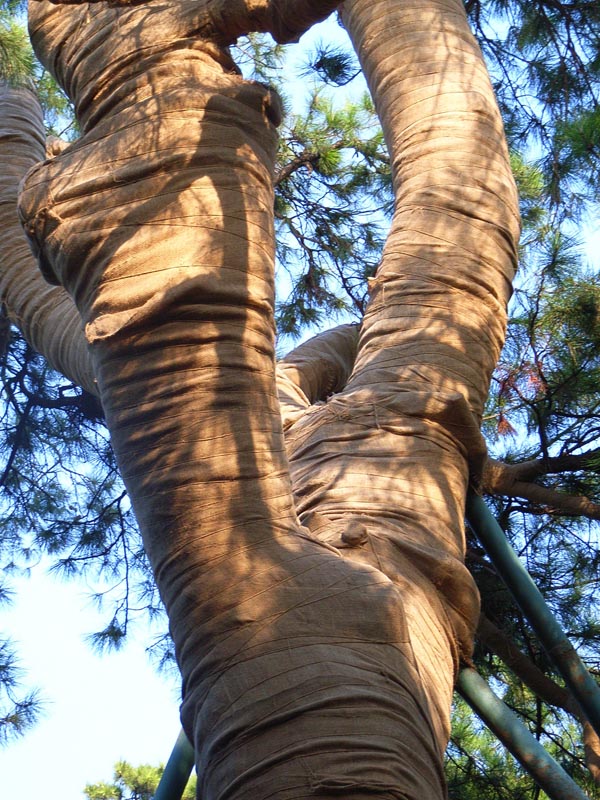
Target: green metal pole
[
  {"x": 533, "y": 605},
  {"x": 549, "y": 776},
  {"x": 177, "y": 771}
]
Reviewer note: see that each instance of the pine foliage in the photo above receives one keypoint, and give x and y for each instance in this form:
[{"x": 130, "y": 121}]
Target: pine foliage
[{"x": 134, "y": 783}]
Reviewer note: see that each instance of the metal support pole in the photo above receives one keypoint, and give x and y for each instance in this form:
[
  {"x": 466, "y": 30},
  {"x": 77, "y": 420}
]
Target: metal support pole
[
  {"x": 549, "y": 776},
  {"x": 533, "y": 605},
  {"x": 177, "y": 770}
]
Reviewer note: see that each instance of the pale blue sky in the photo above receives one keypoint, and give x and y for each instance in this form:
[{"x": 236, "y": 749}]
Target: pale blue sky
[{"x": 99, "y": 709}]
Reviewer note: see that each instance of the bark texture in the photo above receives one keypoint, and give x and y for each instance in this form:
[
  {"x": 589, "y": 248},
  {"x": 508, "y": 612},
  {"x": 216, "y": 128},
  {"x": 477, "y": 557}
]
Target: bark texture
[
  {"x": 519, "y": 480},
  {"x": 319, "y": 661}
]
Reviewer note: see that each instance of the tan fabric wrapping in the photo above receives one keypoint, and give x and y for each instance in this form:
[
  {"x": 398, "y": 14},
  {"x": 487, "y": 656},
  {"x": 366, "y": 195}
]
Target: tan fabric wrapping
[
  {"x": 226, "y": 20},
  {"x": 317, "y": 661},
  {"x": 45, "y": 314},
  {"x": 391, "y": 453},
  {"x": 298, "y": 680},
  {"x": 314, "y": 370}
]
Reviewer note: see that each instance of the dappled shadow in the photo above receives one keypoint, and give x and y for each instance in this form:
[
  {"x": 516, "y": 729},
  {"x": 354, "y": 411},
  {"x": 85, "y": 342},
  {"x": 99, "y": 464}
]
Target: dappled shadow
[
  {"x": 159, "y": 223},
  {"x": 296, "y": 662},
  {"x": 390, "y": 455}
]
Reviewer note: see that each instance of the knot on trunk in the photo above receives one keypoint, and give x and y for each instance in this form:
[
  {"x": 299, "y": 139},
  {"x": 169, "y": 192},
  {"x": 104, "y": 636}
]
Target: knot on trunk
[{"x": 340, "y": 534}]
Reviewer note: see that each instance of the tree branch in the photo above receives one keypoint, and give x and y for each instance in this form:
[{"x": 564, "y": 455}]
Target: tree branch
[
  {"x": 45, "y": 314},
  {"x": 307, "y": 158},
  {"x": 516, "y": 480},
  {"x": 314, "y": 370},
  {"x": 539, "y": 683},
  {"x": 535, "y": 468},
  {"x": 285, "y": 20},
  {"x": 557, "y": 502}
]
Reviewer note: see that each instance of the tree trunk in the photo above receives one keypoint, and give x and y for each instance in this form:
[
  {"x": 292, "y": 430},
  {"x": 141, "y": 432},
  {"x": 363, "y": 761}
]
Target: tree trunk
[
  {"x": 315, "y": 662},
  {"x": 391, "y": 451}
]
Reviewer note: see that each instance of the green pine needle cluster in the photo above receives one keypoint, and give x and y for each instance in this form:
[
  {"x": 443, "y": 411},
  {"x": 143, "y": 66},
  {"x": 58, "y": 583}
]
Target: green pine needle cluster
[{"x": 134, "y": 783}]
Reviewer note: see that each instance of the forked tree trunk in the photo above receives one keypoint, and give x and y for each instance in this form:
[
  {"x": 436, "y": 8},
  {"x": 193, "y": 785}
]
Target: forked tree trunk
[{"x": 319, "y": 661}]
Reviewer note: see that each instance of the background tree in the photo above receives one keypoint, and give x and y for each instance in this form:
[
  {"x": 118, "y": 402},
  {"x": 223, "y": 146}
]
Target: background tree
[
  {"x": 134, "y": 783},
  {"x": 542, "y": 419}
]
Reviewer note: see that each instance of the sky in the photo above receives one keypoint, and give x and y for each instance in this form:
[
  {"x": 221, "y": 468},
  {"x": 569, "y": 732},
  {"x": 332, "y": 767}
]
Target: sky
[{"x": 98, "y": 709}]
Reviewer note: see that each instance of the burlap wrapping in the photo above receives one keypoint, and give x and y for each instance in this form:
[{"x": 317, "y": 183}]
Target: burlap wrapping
[
  {"x": 317, "y": 659},
  {"x": 46, "y": 315}
]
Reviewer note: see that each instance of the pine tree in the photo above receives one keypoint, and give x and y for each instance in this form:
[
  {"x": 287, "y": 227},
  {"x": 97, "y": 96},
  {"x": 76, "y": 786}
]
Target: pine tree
[
  {"x": 333, "y": 202},
  {"x": 134, "y": 783}
]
